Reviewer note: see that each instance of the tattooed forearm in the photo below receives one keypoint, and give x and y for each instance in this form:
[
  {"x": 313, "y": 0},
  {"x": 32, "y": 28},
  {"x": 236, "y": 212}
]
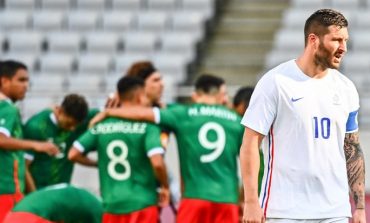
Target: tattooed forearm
[{"x": 355, "y": 168}]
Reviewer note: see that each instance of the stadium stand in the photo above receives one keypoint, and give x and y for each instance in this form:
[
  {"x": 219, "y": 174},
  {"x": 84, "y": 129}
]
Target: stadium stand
[{"x": 65, "y": 39}]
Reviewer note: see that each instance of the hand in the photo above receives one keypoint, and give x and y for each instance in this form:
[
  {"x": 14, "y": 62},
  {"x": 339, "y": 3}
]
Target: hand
[
  {"x": 97, "y": 118},
  {"x": 164, "y": 197},
  {"x": 46, "y": 147},
  {"x": 112, "y": 101},
  {"x": 359, "y": 216},
  {"x": 253, "y": 213}
]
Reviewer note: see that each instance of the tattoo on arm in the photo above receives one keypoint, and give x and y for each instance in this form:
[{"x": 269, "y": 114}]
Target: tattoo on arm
[{"x": 355, "y": 168}]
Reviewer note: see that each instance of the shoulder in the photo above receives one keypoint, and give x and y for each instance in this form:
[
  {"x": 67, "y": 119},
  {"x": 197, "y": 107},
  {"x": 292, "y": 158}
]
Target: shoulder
[
  {"x": 42, "y": 116},
  {"x": 344, "y": 81}
]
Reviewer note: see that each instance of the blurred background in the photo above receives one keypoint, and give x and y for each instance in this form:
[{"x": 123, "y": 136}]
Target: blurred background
[{"x": 84, "y": 46}]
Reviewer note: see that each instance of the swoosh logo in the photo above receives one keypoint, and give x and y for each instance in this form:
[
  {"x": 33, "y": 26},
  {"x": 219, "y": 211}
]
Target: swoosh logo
[{"x": 296, "y": 99}]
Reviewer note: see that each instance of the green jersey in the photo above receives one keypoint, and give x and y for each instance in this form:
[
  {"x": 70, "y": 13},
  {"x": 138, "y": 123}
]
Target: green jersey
[
  {"x": 12, "y": 165},
  {"x": 62, "y": 203},
  {"x": 127, "y": 180},
  {"x": 208, "y": 138},
  {"x": 48, "y": 170}
]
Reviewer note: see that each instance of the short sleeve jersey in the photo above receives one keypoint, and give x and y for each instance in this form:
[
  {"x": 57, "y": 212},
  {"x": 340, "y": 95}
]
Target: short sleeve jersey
[
  {"x": 48, "y": 170},
  {"x": 304, "y": 121},
  {"x": 12, "y": 165},
  {"x": 208, "y": 139},
  {"x": 127, "y": 180},
  {"x": 51, "y": 204}
]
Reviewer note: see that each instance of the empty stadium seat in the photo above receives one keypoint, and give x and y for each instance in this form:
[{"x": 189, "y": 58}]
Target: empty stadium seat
[
  {"x": 179, "y": 42},
  {"x": 82, "y": 21},
  {"x": 25, "y": 41},
  {"x": 57, "y": 63},
  {"x": 171, "y": 64},
  {"x": 289, "y": 40},
  {"x": 42, "y": 84},
  {"x": 356, "y": 62},
  {"x": 123, "y": 61},
  {"x": 163, "y": 5},
  {"x": 90, "y": 4},
  {"x": 45, "y": 20},
  {"x": 130, "y": 5},
  {"x": 360, "y": 40},
  {"x": 117, "y": 21},
  {"x": 34, "y": 104},
  {"x": 20, "y": 4},
  {"x": 94, "y": 64},
  {"x": 205, "y": 7},
  {"x": 64, "y": 42},
  {"x": 102, "y": 42},
  {"x": 85, "y": 83},
  {"x": 362, "y": 20},
  {"x": 189, "y": 21},
  {"x": 152, "y": 21},
  {"x": 14, "y": 20},
  {"x": 55, "y": 4},
  {"x": 140, "y": 42}
]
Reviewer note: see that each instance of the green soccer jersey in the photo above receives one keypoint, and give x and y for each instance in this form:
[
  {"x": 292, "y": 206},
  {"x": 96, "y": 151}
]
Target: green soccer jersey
[
  {"x": 12, "y": 165},
  {"x": 62, "y": 203},
  {"x": 48, "y": 170},
  {"x": 208, "y": 139},
  {"x": 127, "y": 180}
]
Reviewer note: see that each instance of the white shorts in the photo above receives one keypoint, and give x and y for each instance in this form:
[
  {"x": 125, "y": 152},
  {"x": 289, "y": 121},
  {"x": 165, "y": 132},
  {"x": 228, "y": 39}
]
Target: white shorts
[{"x": 328, "y": 220}]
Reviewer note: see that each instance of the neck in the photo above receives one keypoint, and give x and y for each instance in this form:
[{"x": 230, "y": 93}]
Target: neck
[
  {"x": 206, "y": 99},
  {"x": 306, "y": 62},
  {"x": 4, "y": 96},
  {"x": 129, "y": 104}
]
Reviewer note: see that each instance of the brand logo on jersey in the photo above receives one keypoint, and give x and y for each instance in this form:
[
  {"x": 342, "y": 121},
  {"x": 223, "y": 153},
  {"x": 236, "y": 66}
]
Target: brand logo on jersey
[{"x": 296, "y": 99}]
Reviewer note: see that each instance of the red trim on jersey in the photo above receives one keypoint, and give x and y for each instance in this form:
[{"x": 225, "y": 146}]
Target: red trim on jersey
[
  {"x": 197, "y": 210},
  {"x": 147, "y": 215},
  {"x": 7, "y": 202},
  {"x": 15, "y": 177},
  {"x": 272, "y": 165},
  {"x": 24, "y": 217}
]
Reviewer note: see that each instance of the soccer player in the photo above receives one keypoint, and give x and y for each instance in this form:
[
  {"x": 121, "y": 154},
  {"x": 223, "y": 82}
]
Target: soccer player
[
  {"x": 304, "y": 112},
  {"x": 208, "y": 136},
  {"x": 153, "y": 83},
  {"x": 13, "y": 87},
  {"x": 130, "y": 161},
  {"x": 241, "y": 99},
  {"x": 57, "y": 203},
  {"x": 61, "y": 125}
]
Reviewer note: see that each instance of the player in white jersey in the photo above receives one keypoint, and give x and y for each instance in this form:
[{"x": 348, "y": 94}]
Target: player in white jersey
[{"x": 304, "y": 115}]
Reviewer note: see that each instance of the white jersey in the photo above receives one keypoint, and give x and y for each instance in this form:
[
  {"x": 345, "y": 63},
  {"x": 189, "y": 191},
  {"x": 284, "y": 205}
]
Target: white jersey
[{"x": 304, "y": 121}]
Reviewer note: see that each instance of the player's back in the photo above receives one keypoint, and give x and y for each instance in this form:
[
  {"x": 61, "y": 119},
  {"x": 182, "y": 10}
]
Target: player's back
[
  {"x": 51, "y": 204},
  {"x": 208, "y": 138},
  {"x": 12, "y": 162},
  {"x": 126, "y": 177}
]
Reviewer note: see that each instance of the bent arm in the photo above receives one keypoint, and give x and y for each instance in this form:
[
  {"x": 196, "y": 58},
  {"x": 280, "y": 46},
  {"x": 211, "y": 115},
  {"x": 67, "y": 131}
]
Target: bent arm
[
  {"x": 76, "y": 156},
  {"x": 10, "y": 143},
  {"x": 137, "y": 113},
  {"x": 355, "y": 168}
]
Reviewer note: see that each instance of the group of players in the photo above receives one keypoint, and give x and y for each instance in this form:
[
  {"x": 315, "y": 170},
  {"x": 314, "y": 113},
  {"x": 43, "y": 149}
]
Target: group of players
[{"x": 130, "y": 138}]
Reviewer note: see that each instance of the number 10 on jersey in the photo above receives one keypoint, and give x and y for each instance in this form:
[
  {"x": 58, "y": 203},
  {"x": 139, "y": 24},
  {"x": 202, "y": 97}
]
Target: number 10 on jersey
[{"x": 321, "y": 127}]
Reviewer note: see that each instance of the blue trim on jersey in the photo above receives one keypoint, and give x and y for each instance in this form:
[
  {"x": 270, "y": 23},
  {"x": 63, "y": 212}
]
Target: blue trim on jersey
[
  {"x": 352, "y": 123},
  {"x": 268, "y": 171}
]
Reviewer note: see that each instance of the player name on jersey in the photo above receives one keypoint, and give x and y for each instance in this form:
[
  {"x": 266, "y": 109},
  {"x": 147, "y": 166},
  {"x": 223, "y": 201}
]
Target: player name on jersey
[
  {"x": 119, "y": 127},
  {"x": 212, "y": 111}
]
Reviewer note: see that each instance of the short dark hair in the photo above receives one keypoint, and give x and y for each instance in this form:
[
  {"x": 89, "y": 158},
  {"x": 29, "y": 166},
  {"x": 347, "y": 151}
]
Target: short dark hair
[
  {"x": 127, "y": 85},
  {"x": 244, "y": 94},
  {"x": 75, "y": 106},
  {"x": 142, "y": 69},
  {"x": 208, "y": 84},
  {"x": 320, "y": 20},
  {"x": 9, "y": 68}
]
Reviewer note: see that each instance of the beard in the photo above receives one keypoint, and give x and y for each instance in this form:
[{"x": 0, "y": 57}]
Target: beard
[{"x": 323, "y": 58}]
